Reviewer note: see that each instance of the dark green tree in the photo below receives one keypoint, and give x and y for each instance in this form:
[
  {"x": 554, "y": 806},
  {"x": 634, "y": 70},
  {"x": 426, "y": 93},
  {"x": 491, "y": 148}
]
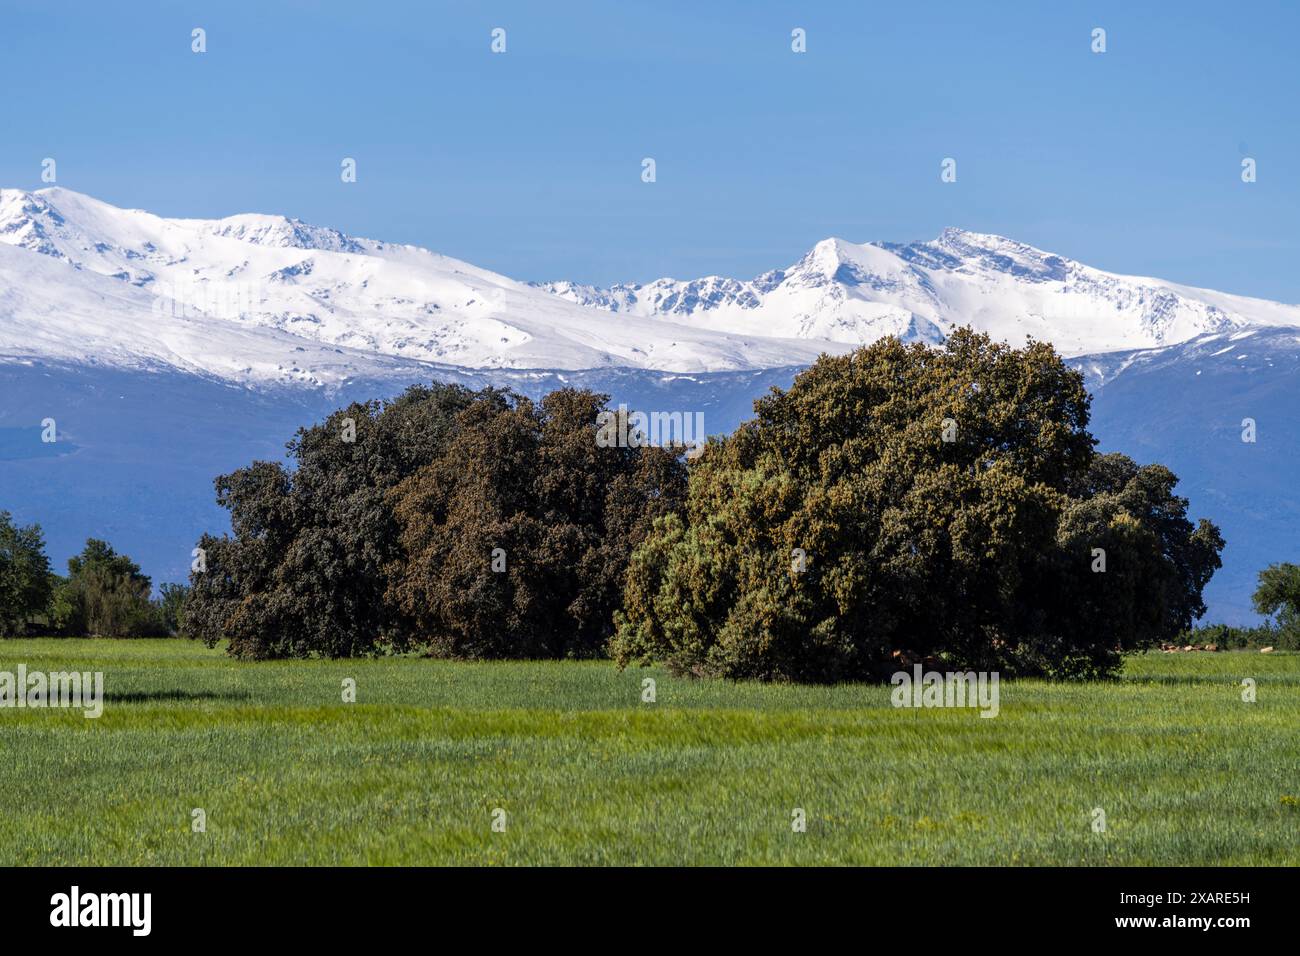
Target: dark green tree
[
  {"x": 303, "y": 572},
  {"x": 1147, "y": 566},
  {"x": 381, "y": 536},
  {"x": 517, "y": 535},
  {"x": 907, "y": 502},
  {"x": 25, "y": 581},
  {"x": 106, "y": 595},
  {"x": 1278, "y": 597}
]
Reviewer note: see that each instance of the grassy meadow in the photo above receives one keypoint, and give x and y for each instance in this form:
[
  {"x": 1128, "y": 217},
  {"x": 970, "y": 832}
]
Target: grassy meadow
[{"x": 587, "y": 773}]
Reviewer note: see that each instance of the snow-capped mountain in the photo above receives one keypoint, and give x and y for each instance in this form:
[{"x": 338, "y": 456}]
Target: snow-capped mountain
[
  {"x": 263, "y": 299},
  {"x": 850, "y": 293},
  {"x": 269, "y": 300}
]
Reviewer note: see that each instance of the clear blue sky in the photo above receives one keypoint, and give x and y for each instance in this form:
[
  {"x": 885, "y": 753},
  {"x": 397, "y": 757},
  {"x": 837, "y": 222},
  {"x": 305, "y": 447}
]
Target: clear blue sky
[{"x": 529, "y": 162}]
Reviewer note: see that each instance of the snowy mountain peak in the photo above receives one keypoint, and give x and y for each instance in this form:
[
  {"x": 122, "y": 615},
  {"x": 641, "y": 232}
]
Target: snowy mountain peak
[
  {"x": 283, "y": 233},
  {"x": 852, "y": 293},
  {"x": 993, "y": 253},
  {"x": 264, "y": 298},
  {"x": 829, "y": 254},
  {"x": 47, "y": 219},
  {"x": 849, "y": 262},
  {"x": 25, "y": 221}
]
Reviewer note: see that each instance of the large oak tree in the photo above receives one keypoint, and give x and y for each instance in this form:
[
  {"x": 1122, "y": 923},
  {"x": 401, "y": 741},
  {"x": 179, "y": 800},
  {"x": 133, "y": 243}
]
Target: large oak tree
[
  {"x": 303, "y": 572},
  {"x": 910, "y": 502}
]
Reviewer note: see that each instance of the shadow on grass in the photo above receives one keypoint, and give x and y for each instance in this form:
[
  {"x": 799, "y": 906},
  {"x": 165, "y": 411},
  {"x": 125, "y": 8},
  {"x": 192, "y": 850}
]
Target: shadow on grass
[
  {"x": 147, "y": 696},
  {"x": 1206, "y": 679}
]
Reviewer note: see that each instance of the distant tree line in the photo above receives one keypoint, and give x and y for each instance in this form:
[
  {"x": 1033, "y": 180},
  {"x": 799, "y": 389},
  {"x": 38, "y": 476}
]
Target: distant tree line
[
  {"x": 1277, "y": 598},
  {"x": 104, "y": 594}
]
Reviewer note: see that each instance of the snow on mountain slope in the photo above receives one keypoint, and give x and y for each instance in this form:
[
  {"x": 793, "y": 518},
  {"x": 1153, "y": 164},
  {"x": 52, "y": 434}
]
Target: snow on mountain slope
[
  {"x": 922, "y": 290},
  {"x": 48, "y": 310},
  {"x": 260, "y": 299},
  {"x": 256, "y": 299}
]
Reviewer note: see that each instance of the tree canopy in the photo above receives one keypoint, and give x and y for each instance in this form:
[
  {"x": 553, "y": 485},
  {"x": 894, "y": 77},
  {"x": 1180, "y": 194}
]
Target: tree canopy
[
  {"x": 1278, "y": 597},
  {"x": 515, "y": 537},
  {"x": 25, "y": 584},
  {"x": 382, "y": 535},
  {"x": 906, "y": 501},
  {"x": 104, "y": 595},
  {"x": 303, "y": 572},
  {"x": 900, "y": 503}
]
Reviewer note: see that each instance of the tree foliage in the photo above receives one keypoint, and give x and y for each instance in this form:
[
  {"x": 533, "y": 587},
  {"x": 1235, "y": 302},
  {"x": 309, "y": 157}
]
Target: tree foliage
[
  {"x": 380, "y": 536},
  {"x": 25, "y": 584},
  {"x": 1157, "y": 563},
  {"x": 304, "y": 571},
  {"x": 1278, "y": 597},
  {"x": 908, "y": 501},
  {"x": 515, "y": 537},
  {"x": 104, "y": 595},
  {"x": 170, "y": 607}
]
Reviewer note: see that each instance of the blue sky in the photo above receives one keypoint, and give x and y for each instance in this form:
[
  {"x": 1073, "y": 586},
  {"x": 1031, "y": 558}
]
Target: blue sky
[{"x": 529, "y": 162}]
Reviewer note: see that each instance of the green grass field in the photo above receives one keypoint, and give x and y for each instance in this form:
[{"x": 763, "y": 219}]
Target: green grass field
[{"x": 589, "y": 774}]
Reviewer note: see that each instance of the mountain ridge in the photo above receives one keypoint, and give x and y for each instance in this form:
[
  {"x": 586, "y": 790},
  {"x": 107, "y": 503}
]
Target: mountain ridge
[
  {"x": 250, "y": 274},
  {"x": 850, "y": 292},
  {"x": 265, "y": 299}
]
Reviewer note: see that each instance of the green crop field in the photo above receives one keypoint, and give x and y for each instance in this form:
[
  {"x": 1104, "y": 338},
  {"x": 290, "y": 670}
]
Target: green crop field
[{"x": 414, "y": 771}]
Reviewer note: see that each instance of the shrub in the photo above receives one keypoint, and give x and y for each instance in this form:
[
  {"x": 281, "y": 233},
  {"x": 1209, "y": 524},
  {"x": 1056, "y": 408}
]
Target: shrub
[{"x": 1225, "y": 637}]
